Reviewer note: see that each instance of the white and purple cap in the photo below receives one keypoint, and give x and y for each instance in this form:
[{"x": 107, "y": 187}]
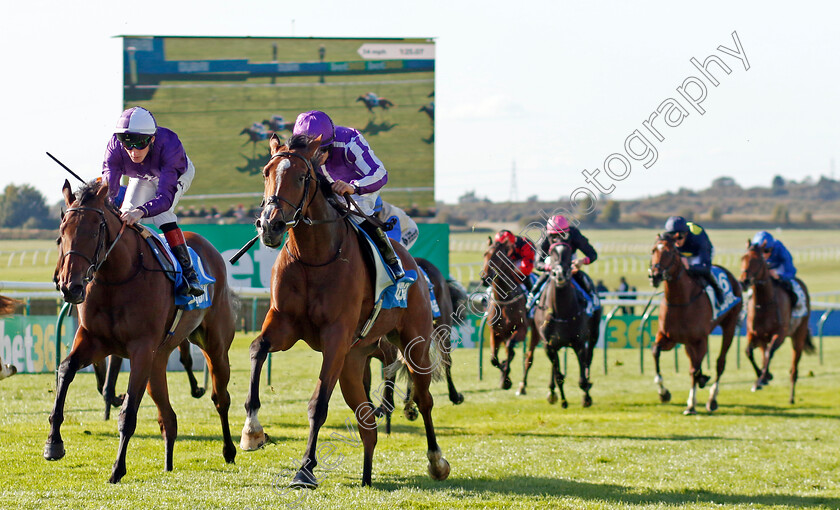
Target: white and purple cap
[
  {"x": 315, "y": 123},
  {"x": 136, "y": 120}
]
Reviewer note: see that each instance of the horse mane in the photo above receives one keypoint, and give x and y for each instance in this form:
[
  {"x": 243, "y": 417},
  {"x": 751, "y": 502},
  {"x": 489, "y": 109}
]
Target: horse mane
[{"x": 88, "y": 191}]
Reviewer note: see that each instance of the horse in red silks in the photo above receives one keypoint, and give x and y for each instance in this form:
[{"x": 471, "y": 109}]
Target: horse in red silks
[
  {"x": 127, "y": 307},
  {"x": 686, "y": 317},
  {"x": 770, "y": 320},
  {"x": 7, "y": 306},
  {"x": 507, "y": 313},
  {"x": 322, "y": 292}
]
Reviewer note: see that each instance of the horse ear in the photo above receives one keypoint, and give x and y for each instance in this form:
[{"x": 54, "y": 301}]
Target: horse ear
[
  {"x": 67, "y": 191},
  {"x": 749, "y": 243},
  {"x": 489, "y": 241},
  {"x": 274, "y": 143},
  {"x": 103, "y": 190},
  {"x": 313, "y": 147}
]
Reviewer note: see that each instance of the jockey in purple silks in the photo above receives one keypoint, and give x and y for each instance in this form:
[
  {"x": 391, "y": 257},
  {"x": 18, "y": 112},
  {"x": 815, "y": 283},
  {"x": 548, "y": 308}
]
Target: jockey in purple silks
[
  {"x": 159, "y": 173},
  {"x": 351, "y": 167}
]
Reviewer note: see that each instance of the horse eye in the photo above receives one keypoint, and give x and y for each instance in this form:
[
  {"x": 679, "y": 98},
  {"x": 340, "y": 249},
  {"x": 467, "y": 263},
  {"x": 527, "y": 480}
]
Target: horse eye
[{"x": 300, "y": 179}]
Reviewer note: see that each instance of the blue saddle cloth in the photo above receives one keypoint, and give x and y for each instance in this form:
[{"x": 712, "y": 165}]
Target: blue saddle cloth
[
  {"x": 391, "y": 292},
  {"x": 729, "y": 297},
  {"x": 172, "y": 269},
  {"x": 593, "y": 303},
  {"x": 432, "y": 298}
]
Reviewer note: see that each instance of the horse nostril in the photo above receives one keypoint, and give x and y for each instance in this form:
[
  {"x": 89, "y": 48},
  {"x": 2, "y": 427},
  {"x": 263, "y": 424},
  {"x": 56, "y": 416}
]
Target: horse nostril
[{"x": 258, "y": 223}]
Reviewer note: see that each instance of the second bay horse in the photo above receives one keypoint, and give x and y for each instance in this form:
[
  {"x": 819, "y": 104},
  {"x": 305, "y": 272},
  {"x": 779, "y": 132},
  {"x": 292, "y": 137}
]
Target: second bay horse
[
  {"x": 769, "y": 319},
  {"x": 685, "y": 317}
]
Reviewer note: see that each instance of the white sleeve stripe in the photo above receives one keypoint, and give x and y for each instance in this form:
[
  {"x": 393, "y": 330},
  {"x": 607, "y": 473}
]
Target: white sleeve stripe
[
  {"x": 370, "y": 179},
  {"x": 359, "y": 153}
]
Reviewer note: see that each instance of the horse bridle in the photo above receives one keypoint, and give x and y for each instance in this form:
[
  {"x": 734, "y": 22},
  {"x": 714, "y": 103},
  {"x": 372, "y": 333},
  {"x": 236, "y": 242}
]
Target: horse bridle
[
  {"x": 276, "y": 198},
  {"x": 749, "y": 280},
  {"x": 95, "y": 262},
  {"x": 516, "y": 290},
  {"x": 559, "y": 267},
  {"x": 666, "y": 273}
]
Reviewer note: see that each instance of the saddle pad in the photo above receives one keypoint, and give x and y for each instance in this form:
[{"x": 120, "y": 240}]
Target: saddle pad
[
  {"x": 390, "y": 292},
  {"x": 172, "y": 269},
  {"x": 435, "y": 307},
  {"x": 729, "y": 297},
  {"x": 801, "y": 310},
  {"x": 592, "y": 302}
]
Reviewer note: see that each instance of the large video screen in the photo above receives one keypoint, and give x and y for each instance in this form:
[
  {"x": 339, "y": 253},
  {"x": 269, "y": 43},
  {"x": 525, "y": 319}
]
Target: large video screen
[{"x": 225, "y": 96}]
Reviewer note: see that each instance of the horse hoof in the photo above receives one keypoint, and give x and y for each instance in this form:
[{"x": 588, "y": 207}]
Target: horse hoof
[
  {"x": 768, "y": 378},
  {"x": 552, "y": 398},
  {"x": 702, "y": 380},
  {"x": 587, "y": 401},
  {"x": 118, "y": 400},
  {"x": 690, "y": 411},
  {"x": 564, "y": 404},
  {"x": 411, "y": 413},
  {"x": 199, "y": 392},
  {"x": 54, "y": 451},
  {"x": 439, "y": 470},
  {"x": 665, "y": 397},
  {"x": 507, "y": 383},
  {"x": 459, "y": 399},
  {"x": 117, "y": 474},
  {"x": 253, "y": 440},
  {"x": 521, "y": 391},
  {"x": 711, "y": 406},
  {"x": 304, "y": 480},
  {"x": 755, "y": 387}
]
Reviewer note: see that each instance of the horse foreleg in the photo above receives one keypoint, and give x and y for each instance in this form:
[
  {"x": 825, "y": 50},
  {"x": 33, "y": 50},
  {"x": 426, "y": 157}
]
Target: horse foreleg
[
  {"x": 583, "y": 365},
  {"x": 656, "y": 349},
  {"x": 794, "y": 366},
  {"x": 333, "y": 360},
  {"x": 528, "y": 361},
  {"x": 359, "y": 401},
  {"x": 167, "y": 420},
  {"x": 510, "y": 345},
  {"x": 84, "y": 352},
  {"x": 186, "y": 359},
  {"x": 445, "y": 343},
  {"x": 695, "y": 356},
  {"x": 253, "y": 435},
  {"x": 141, "y": 367},
  {"x": 109, "y": 390},
  {"x": 551, "y": 353}
]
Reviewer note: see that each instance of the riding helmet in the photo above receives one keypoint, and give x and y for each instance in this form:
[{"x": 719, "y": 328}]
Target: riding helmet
[
  {"x": 557, "y": 224},
  {"x": 763, "y": 237},
  {"x": 676, "y": 224},
  {"x": 136, "y": 120},
  {"x": 315, "y": 123}
]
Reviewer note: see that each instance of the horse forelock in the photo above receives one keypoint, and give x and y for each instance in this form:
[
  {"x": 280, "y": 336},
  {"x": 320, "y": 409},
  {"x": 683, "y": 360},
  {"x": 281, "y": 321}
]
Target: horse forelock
[{"x": 88, "y": 192}]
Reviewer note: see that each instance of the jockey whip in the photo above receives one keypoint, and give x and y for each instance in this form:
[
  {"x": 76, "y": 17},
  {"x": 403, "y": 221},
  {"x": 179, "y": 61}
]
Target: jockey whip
[
  {"x": 65, "y": 167},
  {"x": 244, "y": 249}
]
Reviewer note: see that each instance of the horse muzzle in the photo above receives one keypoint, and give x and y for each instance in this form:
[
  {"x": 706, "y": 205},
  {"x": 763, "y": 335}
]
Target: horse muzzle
[
  {"x": 73, "y": 293},
  {"x": 271, "y": 231}
]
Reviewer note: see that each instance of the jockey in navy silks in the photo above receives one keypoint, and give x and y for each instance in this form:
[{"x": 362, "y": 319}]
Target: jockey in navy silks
[
  {"x": 159, "y": 173},
  {"x": 779, "y": 261},
  {"x": 351, "y": 167},
  {"x": 696, "y": 248}
]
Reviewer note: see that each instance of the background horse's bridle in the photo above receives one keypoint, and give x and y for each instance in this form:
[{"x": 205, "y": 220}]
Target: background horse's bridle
[{"x": 95, "y": 262}]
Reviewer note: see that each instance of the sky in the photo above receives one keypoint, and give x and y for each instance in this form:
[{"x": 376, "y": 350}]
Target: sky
[{"x": 550, "y": 88}]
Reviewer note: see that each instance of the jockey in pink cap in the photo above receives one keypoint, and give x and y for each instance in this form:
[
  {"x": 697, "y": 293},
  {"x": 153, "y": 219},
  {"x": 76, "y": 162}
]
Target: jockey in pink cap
[{"x": 559, "y": 230}]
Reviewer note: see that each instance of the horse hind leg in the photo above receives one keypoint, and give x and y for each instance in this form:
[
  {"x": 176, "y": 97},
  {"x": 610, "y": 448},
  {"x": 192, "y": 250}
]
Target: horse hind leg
[
  {"x": 186, "y": 359},
  {"x": 109, "y": 388},
  {"x": 664, "y": 394},
  {"x": 528, "y": 362},
  {"x": 584, "y": 382},
  {"x": 141, "y": 365},
  {"x": 218, "y": 364}
]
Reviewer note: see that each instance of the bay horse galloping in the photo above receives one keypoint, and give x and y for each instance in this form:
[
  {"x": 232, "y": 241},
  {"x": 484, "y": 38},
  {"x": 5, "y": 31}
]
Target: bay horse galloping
[
  {"x": 561, "y": 321},
  {"x": 769, "y": 319},
  {"x": 7, "y": 306},
  {"x": 371, "y": 101},
  {"x": 322, "y": 292},
  {"x": 507, "y": 313},
  {"x": 685, "y": 317},
  {"x": 126, "y": 307}
]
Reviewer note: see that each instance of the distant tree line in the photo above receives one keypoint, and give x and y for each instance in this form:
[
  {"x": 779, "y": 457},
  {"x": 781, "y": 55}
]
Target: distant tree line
[{"x": 25, "y": 207}]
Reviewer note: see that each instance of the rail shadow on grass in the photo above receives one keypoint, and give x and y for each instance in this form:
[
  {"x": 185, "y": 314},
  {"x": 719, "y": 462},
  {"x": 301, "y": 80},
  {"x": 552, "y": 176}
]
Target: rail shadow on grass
[
  {"x": 784, "y": 411},
  {"x": 537, "y": 487}
]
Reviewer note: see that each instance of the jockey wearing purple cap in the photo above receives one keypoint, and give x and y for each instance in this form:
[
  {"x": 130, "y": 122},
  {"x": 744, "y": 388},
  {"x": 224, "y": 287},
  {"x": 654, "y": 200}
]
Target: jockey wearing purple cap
[
  {"x": 159, "y": 173},
  {"x": 351, "y": 167}
]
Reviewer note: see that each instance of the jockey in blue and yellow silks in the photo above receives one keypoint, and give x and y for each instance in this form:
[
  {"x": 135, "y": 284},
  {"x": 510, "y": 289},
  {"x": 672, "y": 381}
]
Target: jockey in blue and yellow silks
[
  {"x": 696, "y": 249},
  {"x": 779, "y": 261}
]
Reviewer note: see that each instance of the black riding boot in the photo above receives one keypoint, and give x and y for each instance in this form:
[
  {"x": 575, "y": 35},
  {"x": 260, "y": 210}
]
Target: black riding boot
[
  {"x": 788, "y": 286},
  {"x": 383, "y": 243},
  {"x": 535, "y": 290},
  {"x": 183, "y": 256},
  {"x": 710, "y": 279}
]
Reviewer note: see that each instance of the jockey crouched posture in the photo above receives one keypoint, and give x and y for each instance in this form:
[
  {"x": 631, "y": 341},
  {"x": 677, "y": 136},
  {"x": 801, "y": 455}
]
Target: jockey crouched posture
[
  {"x": 351, "y": 167},
  {"x": 558, "y": 230},
  {"x": 696, "y": 248},
  {"x": 159, "y": 173},
  {"x": 779, "y": 262},
  {"x": 521, "y": 253}
]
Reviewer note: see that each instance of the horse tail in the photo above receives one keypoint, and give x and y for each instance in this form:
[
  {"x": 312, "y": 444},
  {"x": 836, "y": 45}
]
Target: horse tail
[
  {"x": 458, "y": 295},
  {"x": 399, "y": 368},
  {"x": 7, "y": 305},
  {"x": 809, "y": 347},
  {"x": 235, "y": 305}
]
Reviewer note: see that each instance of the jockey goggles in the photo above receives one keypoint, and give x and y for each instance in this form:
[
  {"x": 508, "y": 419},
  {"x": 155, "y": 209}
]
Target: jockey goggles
[{"x": 134, "y": 141}]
